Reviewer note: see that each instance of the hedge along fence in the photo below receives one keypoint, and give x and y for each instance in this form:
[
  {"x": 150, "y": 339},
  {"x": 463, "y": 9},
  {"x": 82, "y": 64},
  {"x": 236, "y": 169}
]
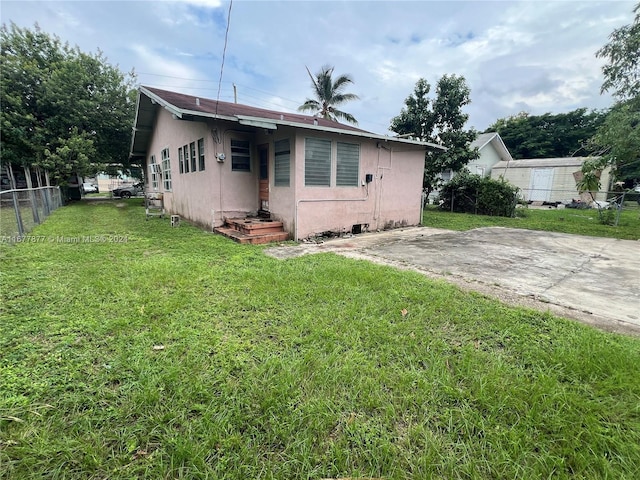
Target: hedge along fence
[{"x": 467, "y": 193}]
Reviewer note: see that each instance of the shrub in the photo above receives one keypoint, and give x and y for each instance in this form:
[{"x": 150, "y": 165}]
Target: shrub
[{"x": 467, "y": 193}]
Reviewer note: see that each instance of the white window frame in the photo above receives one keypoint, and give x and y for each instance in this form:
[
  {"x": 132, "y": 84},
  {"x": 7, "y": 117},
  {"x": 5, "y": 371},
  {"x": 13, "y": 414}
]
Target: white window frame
[
  {"x": 201, "y": 164},
  {"x": 166, "y": 169},
  {"x": 194, "y": 160},
  {"x": 186, "y": 158},
  {"x": 154, "y": 171}
]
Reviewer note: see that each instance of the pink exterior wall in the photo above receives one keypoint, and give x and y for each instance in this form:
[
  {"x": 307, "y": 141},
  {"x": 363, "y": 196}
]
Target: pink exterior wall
[
  {"x": 282, "y": 199},
  {"x": 206, "y": 197},
  {"x": 391, "y": 200}
]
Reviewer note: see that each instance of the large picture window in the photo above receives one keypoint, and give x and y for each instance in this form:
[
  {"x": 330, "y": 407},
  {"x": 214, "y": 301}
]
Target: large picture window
[
  {"x": 347, "y": 164},
  {"x": 166, "y": 169},
  {"x": 282, "y": 166},
  {"x": 240, "y": 155},
  {"x": 317, "y": 162}
]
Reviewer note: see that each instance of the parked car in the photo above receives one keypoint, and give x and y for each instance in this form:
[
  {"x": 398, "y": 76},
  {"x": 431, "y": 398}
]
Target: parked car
[
  {"x": 128, "y": 191},
  {"x": 90, "y": 188}
]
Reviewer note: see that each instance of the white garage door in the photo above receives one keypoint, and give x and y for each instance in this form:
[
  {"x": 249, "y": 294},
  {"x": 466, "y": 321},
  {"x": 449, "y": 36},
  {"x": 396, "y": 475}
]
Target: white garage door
[{"x": 540, "y": 184}]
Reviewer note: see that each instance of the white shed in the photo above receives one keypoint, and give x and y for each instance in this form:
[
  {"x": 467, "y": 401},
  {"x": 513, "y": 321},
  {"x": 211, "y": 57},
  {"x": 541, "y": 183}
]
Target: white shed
[{"x": 549, "y": 179}]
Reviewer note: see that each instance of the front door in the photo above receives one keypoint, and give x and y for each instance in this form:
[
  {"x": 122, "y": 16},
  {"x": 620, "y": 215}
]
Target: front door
[{"x": 263, "y": 154}]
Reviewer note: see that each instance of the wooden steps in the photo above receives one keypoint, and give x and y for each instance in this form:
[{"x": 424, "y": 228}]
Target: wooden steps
[{"x": 253, "y": 230}]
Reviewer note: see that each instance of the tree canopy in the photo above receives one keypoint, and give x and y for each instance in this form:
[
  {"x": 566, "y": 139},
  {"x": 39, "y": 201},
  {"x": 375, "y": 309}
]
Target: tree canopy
[
  {"x": 62, "y": 109},
  {"x": 329, "y": 94},
  {"x": 438, "y": 119},
  {"x": 548, "y": 135},
  {"x": 618, "y": 139},
  {"x": 622, "y": 53}
]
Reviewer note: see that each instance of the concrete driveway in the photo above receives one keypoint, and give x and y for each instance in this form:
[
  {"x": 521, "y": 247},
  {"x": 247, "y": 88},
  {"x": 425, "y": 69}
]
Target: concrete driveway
[{"x": 590, "y": 279}]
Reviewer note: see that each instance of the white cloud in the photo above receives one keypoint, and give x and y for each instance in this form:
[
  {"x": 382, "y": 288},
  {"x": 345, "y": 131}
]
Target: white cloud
[{"x": 534, "y": 55}]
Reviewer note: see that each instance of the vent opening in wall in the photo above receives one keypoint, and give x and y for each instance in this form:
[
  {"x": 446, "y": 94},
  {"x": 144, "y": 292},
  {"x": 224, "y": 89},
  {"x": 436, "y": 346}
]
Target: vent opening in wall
[{"x": 357, "y": 228}]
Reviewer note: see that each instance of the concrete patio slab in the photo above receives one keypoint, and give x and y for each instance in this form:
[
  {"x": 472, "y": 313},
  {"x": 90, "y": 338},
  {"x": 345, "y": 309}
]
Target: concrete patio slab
[{"x": 591, "y": 279}]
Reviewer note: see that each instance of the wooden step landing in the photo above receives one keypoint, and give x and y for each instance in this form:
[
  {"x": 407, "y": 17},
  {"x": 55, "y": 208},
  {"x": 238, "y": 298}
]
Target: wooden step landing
[
  {"x": 253, "y": 230},
  {"x": 253, "y": 226}
]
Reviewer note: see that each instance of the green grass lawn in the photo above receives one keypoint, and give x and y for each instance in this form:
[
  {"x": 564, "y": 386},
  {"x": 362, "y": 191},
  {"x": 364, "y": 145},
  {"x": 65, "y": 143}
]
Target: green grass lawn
[
  {"x": 580, "y": 222},
  {"x": 130, "y": 349}
]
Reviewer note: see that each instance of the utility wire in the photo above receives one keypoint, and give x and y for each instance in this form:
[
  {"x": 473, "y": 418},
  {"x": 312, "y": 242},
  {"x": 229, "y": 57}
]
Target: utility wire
[
  {"x": 224, "y": 53},
  {"x": 271, "y": 94},
  {"x": 177, "y": 78}
]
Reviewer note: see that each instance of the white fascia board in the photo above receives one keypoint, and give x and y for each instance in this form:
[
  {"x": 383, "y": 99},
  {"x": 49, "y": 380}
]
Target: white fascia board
[
  {"x": 490, "y": 140},
  {"x": 135, "y": 122},
  {"x": 159, "y": 100},
  {"x": 353, "y": 133},
  {"x": 257, "y": 122},
  {"x": 269, "y": 123},
  {"x": 503, "y": 147},
  {"x": 207, "y": 115}
]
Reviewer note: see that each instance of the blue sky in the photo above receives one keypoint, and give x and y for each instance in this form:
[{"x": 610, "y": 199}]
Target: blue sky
[{"x": 533, "y": 56}]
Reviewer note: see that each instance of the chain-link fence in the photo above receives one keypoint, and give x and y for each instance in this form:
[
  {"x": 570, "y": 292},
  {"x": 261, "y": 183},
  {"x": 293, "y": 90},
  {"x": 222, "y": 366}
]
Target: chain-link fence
[
  {"x": 613, "y": 203},
  {"x": 21, "y": 210}
]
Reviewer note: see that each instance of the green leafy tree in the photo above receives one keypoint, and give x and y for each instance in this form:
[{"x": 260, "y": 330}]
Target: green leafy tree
[
  {"x": 62, "y": 109},
  {"x": 548, "y": 135},
  {"x": 622, "y": 53},
  {"x": 618, "y": 139},
  {"x": 439, "y": 119},
  {"x": 329, "y": 94}
]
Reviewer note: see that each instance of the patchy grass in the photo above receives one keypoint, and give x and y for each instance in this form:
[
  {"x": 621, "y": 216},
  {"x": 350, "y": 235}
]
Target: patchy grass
[
  {"x": 580, "y": 222},
  {"x": 179, "y": 354}
]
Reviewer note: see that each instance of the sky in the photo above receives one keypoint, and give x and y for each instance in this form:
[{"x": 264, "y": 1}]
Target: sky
[{"x": 516, "y": 56}]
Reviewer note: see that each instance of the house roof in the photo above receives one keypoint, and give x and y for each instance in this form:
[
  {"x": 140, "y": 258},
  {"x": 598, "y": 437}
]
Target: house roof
[
  {"x": 494, "y": 139},
  {"x": 189, "y": 107},
  {"x": 544, "y": 162}
]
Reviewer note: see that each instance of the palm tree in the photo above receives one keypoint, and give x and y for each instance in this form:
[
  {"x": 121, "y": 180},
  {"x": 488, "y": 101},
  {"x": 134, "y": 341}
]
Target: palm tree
[{"x": 328, "y": 95}]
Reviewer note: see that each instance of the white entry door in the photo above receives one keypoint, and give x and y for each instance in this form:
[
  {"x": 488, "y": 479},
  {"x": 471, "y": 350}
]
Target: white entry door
[{"x": 540, "y": 184}]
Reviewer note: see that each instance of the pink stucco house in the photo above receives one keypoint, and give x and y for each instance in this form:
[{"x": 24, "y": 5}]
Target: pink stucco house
[{"x": 215, "y": 161}]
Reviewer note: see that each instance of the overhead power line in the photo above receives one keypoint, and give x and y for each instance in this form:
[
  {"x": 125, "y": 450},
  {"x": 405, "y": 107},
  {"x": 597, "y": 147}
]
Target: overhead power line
[
  {"x": 176, "y": 78},
  {"x": 224, "y": 53}
]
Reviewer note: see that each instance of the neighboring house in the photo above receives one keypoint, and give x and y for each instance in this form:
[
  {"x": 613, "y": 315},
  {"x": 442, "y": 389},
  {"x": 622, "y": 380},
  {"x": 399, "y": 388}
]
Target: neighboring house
[
  {"x": 491, "y": 150},
  {"x": 216, "y": 160},
  {"x": 549, "y": 179}
]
